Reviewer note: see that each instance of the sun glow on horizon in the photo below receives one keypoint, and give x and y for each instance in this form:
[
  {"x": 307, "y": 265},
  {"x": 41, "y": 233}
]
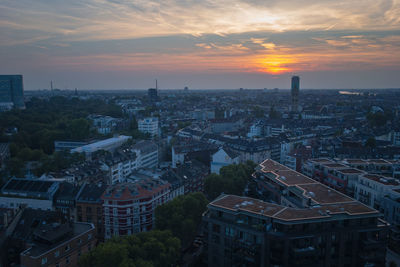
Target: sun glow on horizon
[{"x": 275, "y": 64}]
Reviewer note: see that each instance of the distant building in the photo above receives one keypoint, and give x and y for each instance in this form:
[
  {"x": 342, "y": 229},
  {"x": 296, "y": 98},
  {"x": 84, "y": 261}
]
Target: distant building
[
  {"x": 67, "y": 145},
  {"x": 295, "y": 93},
  {"x": 12, "y": 90},
  {"x": 149, "y": 125},
  {"x": 152, "y": 94},
  {"x": 109, "y": 144},
  {"x": 129, "y": 207}
]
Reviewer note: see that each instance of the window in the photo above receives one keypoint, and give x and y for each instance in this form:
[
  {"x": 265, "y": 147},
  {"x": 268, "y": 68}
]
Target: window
[
  {"x": 44, "y": 261},
  {"x": 89, "y": 236},
  {"x": 57, "y": 253},
  {"x": 67, "y": 260},
  {"x": 67, "y": 247}
]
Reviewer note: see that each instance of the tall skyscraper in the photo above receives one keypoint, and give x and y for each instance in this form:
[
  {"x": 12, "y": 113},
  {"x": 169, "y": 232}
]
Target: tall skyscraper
[
  {"x": 153, "y": 94},
  {"x": 295, "y": 93},
  {"x": 12, "y": 90}
]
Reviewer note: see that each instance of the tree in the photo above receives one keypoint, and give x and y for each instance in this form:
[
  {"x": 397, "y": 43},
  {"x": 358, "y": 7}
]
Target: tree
[
  {"x": 155, "y": 248},
  {"x": 231, "y": 180},
  {"x": 371, "y": 142},
  {"x": 182, "y": 216}
]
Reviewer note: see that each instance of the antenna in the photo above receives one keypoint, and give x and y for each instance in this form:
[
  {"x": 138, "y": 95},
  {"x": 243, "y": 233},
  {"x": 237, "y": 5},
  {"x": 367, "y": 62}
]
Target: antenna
[
  {"x": 156, "y": 84},
  {"x": 51, "y": 85}
]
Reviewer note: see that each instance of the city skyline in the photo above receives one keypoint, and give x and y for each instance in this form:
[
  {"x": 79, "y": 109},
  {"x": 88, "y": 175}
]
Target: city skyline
[{"x": 201, "y": 44}]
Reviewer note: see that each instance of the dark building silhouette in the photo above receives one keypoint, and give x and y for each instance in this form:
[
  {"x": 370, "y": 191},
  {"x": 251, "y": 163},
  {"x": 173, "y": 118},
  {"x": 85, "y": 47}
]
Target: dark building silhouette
[
  {"x": 295, "y": 93},
  {"x": 12, "y": 90},
  {"x": 153, "y": 94}
]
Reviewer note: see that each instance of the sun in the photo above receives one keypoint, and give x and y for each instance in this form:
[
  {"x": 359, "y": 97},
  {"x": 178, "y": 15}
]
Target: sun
[{"x": 275, "y": 64}]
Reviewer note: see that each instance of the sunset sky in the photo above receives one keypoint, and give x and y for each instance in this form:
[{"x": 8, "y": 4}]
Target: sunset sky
[{"x": 126, "y": 44}]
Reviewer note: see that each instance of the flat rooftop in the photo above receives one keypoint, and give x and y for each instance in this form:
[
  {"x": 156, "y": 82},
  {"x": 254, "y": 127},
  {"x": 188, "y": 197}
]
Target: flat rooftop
[
  {"x": 350, "y": 171},
  {"x": 323, "y": 160},
  {"x": 335, "y": 166},
  {"x": 323, "y": 194},
  {"x": 283, "y": 213}
]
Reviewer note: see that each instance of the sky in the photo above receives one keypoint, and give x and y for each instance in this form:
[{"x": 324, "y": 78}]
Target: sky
[{"x": 202, "y": 44}]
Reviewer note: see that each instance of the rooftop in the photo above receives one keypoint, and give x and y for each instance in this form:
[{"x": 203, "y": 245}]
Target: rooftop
[
  {"x": 283, "y": 213},
  {"x": 135, "y": 190},
  {"x": 381, "y": 179},
  {"x": 91, "y": 193}
]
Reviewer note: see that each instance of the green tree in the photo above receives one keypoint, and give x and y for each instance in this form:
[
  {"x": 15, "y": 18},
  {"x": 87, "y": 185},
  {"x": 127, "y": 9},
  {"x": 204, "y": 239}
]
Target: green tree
[
  {"x": 155, "y": 248},
  {"x": 231, "y": 180},
  {"x": 182, "y": 216}
]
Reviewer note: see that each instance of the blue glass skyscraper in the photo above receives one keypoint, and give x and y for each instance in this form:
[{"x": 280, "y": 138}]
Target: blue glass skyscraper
[{"x": 12, "y": 90}]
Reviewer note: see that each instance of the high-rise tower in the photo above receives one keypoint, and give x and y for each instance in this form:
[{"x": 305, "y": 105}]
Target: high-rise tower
[
  {"x": 12, "y": 90},
  {"x": 295, "y": 93}
]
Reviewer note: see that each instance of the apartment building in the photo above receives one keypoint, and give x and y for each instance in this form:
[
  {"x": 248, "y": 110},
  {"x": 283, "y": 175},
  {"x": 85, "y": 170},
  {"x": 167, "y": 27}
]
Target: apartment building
[
  {"x": 129, "y": 207},
  {"x": 305, "y": 224}
]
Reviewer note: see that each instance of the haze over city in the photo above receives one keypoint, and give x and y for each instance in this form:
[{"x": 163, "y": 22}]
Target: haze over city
[{"x": 201, "y": 44}]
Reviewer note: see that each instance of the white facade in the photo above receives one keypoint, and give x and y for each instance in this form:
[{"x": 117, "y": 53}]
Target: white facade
[
  {"x": 371, "y": 189},
  {"x": 14, "y": 202},
  {"x": 149, "y": 125},
  {"x": 255, "y": 130},
  {"x": 221, "y": 159},
  {"x": 177, "y": 158}
]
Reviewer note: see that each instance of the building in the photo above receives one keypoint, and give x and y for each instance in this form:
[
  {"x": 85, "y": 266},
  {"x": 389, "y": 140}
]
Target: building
[
  {"x": 89, "y": 206},
  {"x": 223, "y": 157},
  {"x": 67, "y": 145},
  {"x": 4, "y": 153},
  {"x": 149, "y": 125},
  {"x": 295, "y": 90},
  {"x": 310, "y": 225},
  {"x": 34, "y": 193},
  {"x": 152, "y": 94},
  {"x": 51, "y": 242},
  {"x": 147, "y": 152},
  {"x": 105, "y": 124},
  {"x": 12, "y": 90},
  {"x": 193, "y": 173},
  {"x": 64, "y": 200},
  {"x": 129, "y": 207},
  {"x": 371, "y": 189},
  {"x": 109, "y": 144}
]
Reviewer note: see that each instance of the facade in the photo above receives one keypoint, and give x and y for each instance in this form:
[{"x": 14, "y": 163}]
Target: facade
[
  {"x": 129, "y": 207},
  {"x": 12, "y": 90},
  {"x": 295, "y": 90},
  {"x": 311, "y": 225},
  {"x": 149, "y": 125},
  {"x": 371, "y": 189},
  {"x": 34, "y": 193},
  {"x": 147, "y": 152},
  {"x": 223, "y": 157},
  {"x": 89, "y": 207}
]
